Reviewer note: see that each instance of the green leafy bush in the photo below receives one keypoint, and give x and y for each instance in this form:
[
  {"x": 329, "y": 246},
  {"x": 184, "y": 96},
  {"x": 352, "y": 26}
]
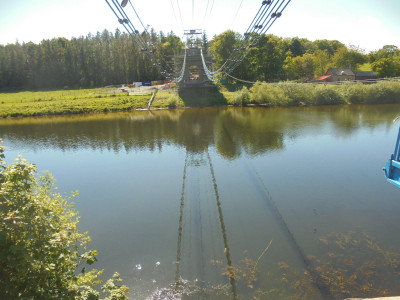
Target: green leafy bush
[
  {"x": 383, "y": 92},
  {"x": 324, "y": 95},
  {"x": 242, "y": 97},
  {"x": 377, "y": 93},
  {"x": 298, "y": 93},
  {"x": 42, "y": 253},
  {"x": 270, "y": 94},
  {"x": 354, "y": 93}
]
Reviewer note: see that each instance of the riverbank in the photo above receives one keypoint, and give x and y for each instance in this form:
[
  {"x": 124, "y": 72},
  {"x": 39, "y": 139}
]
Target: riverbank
[
  {"x": 36, "y": 103},
  {"x": 296, "y": 94}
]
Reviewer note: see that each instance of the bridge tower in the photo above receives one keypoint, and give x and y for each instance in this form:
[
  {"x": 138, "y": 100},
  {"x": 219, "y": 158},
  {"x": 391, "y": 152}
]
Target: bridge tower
[{"x": 194, "y": 74}]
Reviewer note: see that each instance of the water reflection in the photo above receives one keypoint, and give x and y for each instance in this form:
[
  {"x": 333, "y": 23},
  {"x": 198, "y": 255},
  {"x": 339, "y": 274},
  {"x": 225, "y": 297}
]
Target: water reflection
[
  {"x": 182, "y": 196},
  {"x": 232, "y": 131}
]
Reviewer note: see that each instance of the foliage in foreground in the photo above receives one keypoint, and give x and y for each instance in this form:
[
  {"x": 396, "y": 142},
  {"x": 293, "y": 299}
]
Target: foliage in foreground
[{"x": 41, "y": 248}]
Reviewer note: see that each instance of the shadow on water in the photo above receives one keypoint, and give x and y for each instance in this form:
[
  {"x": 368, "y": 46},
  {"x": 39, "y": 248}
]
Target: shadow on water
[
  {"x": 319, "y": 283},
  {"x": 198, "y": 96},
  {"x": 201, "y": 288},
  {"x": 261, "y": 188}
]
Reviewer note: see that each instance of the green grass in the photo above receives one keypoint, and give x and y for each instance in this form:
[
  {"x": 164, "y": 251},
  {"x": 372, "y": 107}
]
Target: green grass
[
  {"x": 35, "y": 103},
  {"x": 365, "y": 67},
  {"x": 169, "y": 99}
]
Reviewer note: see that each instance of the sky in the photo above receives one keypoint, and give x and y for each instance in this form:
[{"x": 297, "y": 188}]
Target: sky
[{"x": 367, "y": 24}]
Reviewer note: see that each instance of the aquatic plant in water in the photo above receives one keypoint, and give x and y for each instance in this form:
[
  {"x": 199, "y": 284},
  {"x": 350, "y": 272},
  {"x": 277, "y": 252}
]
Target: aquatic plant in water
[
  {"x": 351, "y": 264},
  {"x": 354, "y": 264}
]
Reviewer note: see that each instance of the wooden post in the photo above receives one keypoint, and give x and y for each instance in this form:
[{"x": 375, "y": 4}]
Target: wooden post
[{"x": 152, "y": 99}]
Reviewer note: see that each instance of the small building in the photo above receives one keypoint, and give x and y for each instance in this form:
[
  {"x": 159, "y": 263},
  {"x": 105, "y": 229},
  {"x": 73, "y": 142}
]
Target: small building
[
  {"x": 341, "y": 75},
  {"x": 366, "y": 75},
  {"x": 324, "y": 78},
  {"x": 338, "y": 75}
]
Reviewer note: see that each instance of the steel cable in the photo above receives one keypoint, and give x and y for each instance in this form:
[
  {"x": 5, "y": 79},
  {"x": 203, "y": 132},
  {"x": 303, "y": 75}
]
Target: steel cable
[{"x": 261, "y": 23}]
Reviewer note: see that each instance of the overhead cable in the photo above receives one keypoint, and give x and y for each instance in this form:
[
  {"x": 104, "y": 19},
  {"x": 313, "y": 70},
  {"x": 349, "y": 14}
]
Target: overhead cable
[
  {"x": 145, "y": 29},
  {"x": 266, "y": 16},
  {"x": 125, "y": 21},
  {"x": 272, "y": 17},
  {"x": 176, "y": 19},
  {"x": 237, "y": 11}
]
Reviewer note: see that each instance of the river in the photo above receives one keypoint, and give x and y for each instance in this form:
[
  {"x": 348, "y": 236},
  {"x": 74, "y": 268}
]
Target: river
[{"x": 222, "y": 203}]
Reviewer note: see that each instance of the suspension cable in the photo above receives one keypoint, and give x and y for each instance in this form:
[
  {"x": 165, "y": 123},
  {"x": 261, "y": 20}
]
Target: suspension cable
[
  {"x": 237, "y": 11},
  {"x": 244, "y": 36},
  {"x": 180, "y": 14},
  {"x": 176, "y": 19},
  {"x": 271, "y": 20},
  {"x": 205, "y": 13},
  {"x": 208, "y": 73},
  {"x": 238, "y": 57},
  {"x": 145, "y": 29},
  {"x": 266, "y": 16},
  {"x": 182, "y": 71},
  {"x": 126, "y": 22},
  {"x": 237, "y": 79}
]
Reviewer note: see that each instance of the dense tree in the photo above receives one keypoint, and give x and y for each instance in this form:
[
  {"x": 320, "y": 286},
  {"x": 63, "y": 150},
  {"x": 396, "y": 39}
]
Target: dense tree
[
  {"x": 386, "y": 61},
  {"x": 321, "y": 62},
  {"x": 348, "y": 58},
  {"x": 113, "y": 58},
  {"x": 94, "y": 60},
  {"x": 387, "y": 51},
  {"x": 267, "y": 58},
  {"x": 296, "y": 47},
  {"x": 330, "y": 46},
  {"x": 304, "y": 66},
  {"x": 222, "y": 46},
  {"x": 387, "y": 67}
]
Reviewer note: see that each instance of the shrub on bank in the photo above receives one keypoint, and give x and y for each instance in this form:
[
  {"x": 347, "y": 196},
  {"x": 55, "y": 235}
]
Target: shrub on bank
[
  {"x": 242, "y": 97},
  {"x": 298, "y": 94},
  {"x": 383, "y": 92},
  {"x": 269, "y": 94},
  {"x": 295, "y": 94},
  {"x": 326, "y": 95},
  {"x": 354, "y": 93}
]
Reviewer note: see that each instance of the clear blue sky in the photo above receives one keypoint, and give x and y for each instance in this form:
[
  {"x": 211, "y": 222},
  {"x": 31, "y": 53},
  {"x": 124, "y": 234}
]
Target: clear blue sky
[{"x": 369, "y": 24}]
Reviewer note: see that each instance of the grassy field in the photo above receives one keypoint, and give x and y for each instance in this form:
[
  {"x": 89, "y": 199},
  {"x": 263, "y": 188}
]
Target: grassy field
[
  {"x": 28, "y": 103},
  {"x": 36, "y": 103}
]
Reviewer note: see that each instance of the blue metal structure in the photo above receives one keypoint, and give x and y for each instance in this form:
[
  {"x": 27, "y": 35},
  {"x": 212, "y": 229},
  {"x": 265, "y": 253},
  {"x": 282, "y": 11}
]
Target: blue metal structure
[{"x": 392, "y": 167}]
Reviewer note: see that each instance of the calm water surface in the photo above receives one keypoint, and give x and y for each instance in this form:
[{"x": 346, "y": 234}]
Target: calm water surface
[{"x": 183, "y": 203}]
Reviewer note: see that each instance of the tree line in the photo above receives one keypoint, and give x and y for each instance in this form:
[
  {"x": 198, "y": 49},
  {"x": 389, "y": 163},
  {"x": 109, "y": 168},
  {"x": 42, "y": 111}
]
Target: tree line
[
  {"x": 109, "y": 58},
  {"x": 95, "y": 60},
  {"x": 276, "y": 59}
]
